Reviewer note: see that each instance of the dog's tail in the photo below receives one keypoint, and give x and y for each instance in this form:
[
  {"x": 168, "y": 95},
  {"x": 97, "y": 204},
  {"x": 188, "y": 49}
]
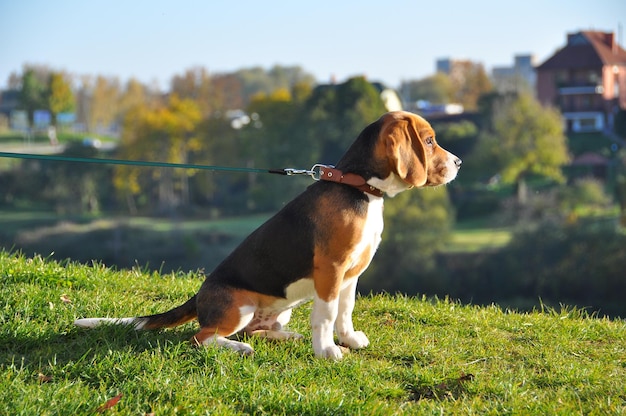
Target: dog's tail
[{"x": 174, "y": 317}]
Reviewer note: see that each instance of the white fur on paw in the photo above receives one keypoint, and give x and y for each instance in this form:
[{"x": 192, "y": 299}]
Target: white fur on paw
[
  {"x": 354, "y": 340},
  {"x": 332, "y": 352},
  {"x": 240, "y": 347}
]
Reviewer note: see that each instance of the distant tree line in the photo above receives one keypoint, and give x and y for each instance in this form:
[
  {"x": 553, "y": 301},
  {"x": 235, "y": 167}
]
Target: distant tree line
[
  {"x": 579, "y": 264},
  {"x": 100, "y": 103}
]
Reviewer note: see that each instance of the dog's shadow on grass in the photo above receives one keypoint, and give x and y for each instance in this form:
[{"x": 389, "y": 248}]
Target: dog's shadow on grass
[
  {"x": 34, "y": 351},
  {"x": 77, "y": 344}
]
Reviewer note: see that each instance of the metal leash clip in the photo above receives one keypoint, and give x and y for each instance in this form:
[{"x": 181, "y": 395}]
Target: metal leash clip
[
  {"x": 314, "y": 172},
  {"x": 291, "y": 172}
]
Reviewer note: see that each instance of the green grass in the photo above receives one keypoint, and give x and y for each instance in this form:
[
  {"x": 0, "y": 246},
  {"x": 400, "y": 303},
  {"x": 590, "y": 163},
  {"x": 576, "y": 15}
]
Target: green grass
[
  {"x": 12, "y": 222},
  {"x": 478, "y": 239},
  {"x": 14, "y": 137},
  {"x": 235, "y": 226},
  {"x": 425, "y": 357}
]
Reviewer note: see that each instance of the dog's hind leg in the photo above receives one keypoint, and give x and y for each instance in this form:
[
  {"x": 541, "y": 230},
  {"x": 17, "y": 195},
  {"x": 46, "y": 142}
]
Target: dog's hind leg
[
  {"x": 208, "y": 336},
  {"x": 222, "y": 314},
  {"x": 271, "y": 325},
  {"x": 217, "y": 335}
]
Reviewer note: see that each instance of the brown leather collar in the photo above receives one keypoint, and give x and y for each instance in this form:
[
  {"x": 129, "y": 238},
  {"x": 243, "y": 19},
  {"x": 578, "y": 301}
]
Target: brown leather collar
[{"x": 330, "y": 174}]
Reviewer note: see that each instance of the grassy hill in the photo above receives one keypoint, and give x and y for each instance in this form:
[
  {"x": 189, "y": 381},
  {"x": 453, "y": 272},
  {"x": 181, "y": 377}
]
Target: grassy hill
[{"x": 426, "y": 356}]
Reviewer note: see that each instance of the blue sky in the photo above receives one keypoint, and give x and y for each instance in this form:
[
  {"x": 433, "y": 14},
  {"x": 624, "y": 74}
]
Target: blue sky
[{"x": 152, "y": 40}]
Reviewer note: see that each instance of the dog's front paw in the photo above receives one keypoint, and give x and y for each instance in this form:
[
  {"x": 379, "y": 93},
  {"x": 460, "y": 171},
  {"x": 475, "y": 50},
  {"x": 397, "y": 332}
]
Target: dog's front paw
[
  {"x": 354, "y": 340},
  {"x": 331, "y": 352}
]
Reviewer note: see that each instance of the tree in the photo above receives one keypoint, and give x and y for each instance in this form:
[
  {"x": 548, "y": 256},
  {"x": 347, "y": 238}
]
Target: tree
[
  {"x": 228, "y": 92},
  {"x": 296, "y": 128},
  {"x": 521, "y": 137},
  {"x": 278, "y": 142},
  {"x": 289, "y": 76},
  {"x": 620, "y": 185},
  {"x": 77, "y": 188},
  {"x": 469, "y": 82},
  {"x": 258, "y": 80},
  {"x": 336, "y": 114},
  {"x": 164, "y": 134},
  {"x": 196, "y": 84},
  {"x": 465, "y": 83},
  {"x": 436, "y": 89},
  {"x": 134, "y": 95},
  {"x": 43, "y": 89},
  {"x": 14, "y": 82},
  {"x": 417, "y": 224},
  {"x": 33, "y": 92},
  {"x": 83, "y": 100},
  {"x": 60, "y": 96},
  {"x": 103, "y": 110}
]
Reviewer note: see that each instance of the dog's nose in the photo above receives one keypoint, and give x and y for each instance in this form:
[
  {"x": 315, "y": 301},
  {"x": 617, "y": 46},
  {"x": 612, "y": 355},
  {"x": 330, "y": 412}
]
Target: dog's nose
[{"x": 458, "y": 162}]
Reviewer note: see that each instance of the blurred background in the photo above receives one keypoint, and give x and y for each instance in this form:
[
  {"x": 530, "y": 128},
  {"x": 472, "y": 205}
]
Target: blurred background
[{"x": 531, "y": 96}]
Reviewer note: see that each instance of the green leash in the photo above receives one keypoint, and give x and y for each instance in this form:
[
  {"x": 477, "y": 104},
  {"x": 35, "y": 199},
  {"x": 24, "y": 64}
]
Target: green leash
[{"x": 313, "y": 172}]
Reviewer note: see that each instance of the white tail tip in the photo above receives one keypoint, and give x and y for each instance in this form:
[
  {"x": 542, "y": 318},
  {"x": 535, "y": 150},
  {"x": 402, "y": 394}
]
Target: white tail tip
[{"x": 95, "y": 322}]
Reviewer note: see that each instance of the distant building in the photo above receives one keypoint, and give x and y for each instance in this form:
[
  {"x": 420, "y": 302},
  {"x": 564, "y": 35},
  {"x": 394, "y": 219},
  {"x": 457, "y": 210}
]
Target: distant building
[
  {"x": 427, "y": 109},
  {"x": 444, "y": 65},
  {"x": 455, "y": 68},
  {"x": 519, "y": 77},
  {"x": 586, "y": 80},
  {"x": 9, "y": 101}
]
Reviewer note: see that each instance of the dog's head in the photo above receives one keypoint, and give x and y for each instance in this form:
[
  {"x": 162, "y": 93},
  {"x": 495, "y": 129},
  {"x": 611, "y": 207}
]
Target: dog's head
[{"x": 407, "y": 155}]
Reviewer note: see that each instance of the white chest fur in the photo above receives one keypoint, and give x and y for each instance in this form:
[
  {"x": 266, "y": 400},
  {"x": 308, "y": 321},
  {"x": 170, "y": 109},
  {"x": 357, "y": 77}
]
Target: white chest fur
[{"x": 372, "y": 231}]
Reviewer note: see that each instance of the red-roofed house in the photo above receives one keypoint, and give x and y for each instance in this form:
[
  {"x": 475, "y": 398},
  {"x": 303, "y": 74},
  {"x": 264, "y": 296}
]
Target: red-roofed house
[{"x": 586, "y": 80}]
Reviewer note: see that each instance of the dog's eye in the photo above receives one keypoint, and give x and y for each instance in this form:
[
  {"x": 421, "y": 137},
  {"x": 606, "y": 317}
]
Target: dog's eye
[{"x": 429, "y": 141}]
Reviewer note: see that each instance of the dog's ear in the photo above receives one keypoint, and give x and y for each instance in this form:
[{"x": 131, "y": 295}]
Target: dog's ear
[{"x": 405, "y": 151}]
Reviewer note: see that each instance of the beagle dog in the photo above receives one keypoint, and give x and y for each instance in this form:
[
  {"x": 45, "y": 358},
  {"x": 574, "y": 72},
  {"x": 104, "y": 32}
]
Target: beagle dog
[{"x": 315, "y": 247}]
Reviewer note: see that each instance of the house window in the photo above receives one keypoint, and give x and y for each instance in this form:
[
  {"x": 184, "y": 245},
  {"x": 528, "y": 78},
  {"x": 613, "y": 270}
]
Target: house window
[
  {"x": 585, "y": 102},
  {"x": 564, "y": 102},
  {"x": 586, "y": 77},
  {"x": 589, "y": 124},
  {"x": 561, "y": 78}
]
